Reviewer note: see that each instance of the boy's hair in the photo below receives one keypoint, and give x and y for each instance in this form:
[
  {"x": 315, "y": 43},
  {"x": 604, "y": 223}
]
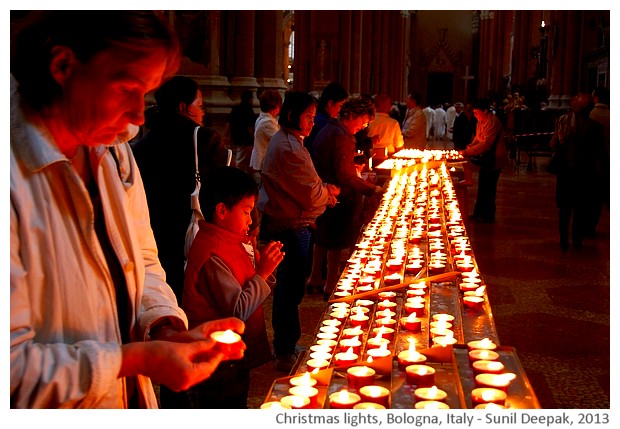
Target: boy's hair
[
  {"x": 356, "y": 107},
  {"x": 226, "y": 185}
]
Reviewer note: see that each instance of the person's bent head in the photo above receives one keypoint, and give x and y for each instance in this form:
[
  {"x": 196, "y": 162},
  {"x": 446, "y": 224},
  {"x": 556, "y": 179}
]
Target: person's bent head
[
  {"x": 129, "y": 34},
  {"x": 356, "y": 113},
  {"x": 87, "y": 72},
  {"x": 582, "y": 104},
  {"x": 228, "y": 197},
  {"x": 297, "y": 113},
  {"x": 482, "y": 108},
  {"x": 332, "y": 98}
]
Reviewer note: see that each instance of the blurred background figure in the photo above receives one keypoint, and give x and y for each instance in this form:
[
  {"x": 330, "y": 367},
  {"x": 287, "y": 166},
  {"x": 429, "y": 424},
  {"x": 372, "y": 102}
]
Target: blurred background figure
[{"x": 241, "y": 123}]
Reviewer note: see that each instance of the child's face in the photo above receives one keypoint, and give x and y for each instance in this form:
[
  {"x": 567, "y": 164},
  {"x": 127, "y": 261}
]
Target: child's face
[{"x": 238, "y": 219}]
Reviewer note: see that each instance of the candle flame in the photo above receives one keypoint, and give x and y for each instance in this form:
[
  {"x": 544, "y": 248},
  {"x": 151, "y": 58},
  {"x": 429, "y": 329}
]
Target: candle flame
[
  {"x": 432, "y": 392},
  {"x": 480, "y": 291},
  {"x": 495, "y": 366},
  {"x": 369, "y": 360},
  {"x": 507, "y": 377},
  {"x": 305, "y": 379},
  {"x": 343, "y": 395},
  {"x": 485, "y": 343},
  {"x": 350, "y": 352},
  {"x": 411, "y": 318},
  {"x": 411, "y": 345},
  {"x": 488, "y": 395}
]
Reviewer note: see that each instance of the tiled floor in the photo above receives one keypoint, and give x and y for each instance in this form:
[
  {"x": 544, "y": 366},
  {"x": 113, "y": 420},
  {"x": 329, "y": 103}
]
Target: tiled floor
[{"x": 553, "y": 307}]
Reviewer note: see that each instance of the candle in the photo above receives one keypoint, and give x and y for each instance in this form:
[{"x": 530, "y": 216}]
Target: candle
[
  {"x": 226, "y": 341},
  {"x": 468, "y": 286},
  {"x": 497, "y": 381},
  {"x": 383, "y": 332},
  {"x": 489, "y": 405},
  {"x": 487, "y": 366},
  {"x": 417, "y": 307},
  {"x": 321, "y": 355},
  {"x": 385, "y": 313},
  {"x": 329, "y": 329},
  {"x": 411, "y": 323},
  {"x": 327, "y": 342},
  {"x": 295, "y": 402},
  {"x": 415, "y": 293},
  {"x": 326, "y": 336},
  {"x": 303, "y": 380},
  {"x": 379, "y": 352},
  {"x": 386, "y": 305},
  {"x": 473, "y": 302},
  {"x": 441, "y": 332},
  {"x": 429, "y": 394},
  {"x": 414, "y": 267},
  {"x": 388, "y": 295},
  {"x": 431, "y": 405},
  {"x": 475, "y": 355},
  {"x": 354, "y": 344},
  {"x": 443, "y": 341},
  {"x": 359, "y": 319},
  {"x": 275, "y": 404},
  {"x": 352, "y": 332},
  {"x": 410, "y": 356},
  {"x": 392, "y": 279},
  {"x": 359, "y": 376},
  {"x": 346, "y": 358},
  {"x": 420, "y": 375},
  {"x": 317, "y": 364},
  {"x": 376, "y": 394},
  {"x": 482, "y": 395},
  {"x": 443, "y": 316},
  {"x": 442, "y": 324},
  {"x": 332, "y": 322},
  {"x": 343, "y": 399},
  {"x": 366, "y": 303},
  {"x": 309, "y": 392},
  {"x": 377, "y": 342},
  {"x": 386, "y": 321},
  {"x": 484, "y": 344},
  {"x": 368, "y": 405},
  {"x": 339, "y": 314}
]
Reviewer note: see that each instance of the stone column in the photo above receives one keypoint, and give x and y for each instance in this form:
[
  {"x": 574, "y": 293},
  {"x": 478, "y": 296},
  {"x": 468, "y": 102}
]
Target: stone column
[
  {"x": 243, "y": 63},
  {"x": 270, "y": 41}
]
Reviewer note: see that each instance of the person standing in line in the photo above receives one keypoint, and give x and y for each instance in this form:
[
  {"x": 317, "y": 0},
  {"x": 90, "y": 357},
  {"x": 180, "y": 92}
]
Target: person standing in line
[
  {"x": 92, "y": 322},
  {"x": 489, "y": 145},
  {"x": 169, "y": 147},
  {"x": 227, "y": 277},
  {"x": 439, "y": 123},
  {"x": 330, "y": 102},
  {"x": 600, "y": 114},
  {"x": 414, "y": 125},
  {"x": 265, "y": 127},
  {"x": 464, "y": 131},
  {"x": 386, "y": 128},
  {"x": 429, "y": 114},
  {"x": 579, "y": 153},
  {"x": 241, "y": 124},
  {"x": 333, "y": 156},
  {"x": 451, "y": 113},
  {"x": 291, "y": 197}
]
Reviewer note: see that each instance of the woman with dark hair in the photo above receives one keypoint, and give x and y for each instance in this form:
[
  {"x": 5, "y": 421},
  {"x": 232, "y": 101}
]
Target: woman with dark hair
[
  {"x": 333, "y": 156},
  {"x": 87, "y": 290},
  {"x": 292, "y": 196},
  {"x": 331, "y": 100},
  {"x": 166, "y": 158}
]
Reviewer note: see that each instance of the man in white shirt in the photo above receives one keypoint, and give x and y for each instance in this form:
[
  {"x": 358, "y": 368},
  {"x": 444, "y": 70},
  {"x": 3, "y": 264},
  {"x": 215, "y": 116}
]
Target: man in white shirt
[{"x": 386, "y": 128}]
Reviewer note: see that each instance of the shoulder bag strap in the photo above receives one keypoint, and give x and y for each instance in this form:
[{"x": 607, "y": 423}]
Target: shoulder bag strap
[{"x": 195, "y": 201}]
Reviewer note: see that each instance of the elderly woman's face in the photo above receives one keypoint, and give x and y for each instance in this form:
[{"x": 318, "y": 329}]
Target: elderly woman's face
[{"x": 103, "y": 97}]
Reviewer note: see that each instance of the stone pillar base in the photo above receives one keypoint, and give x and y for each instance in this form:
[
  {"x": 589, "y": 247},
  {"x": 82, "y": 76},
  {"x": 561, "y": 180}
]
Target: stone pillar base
[
  {"x": 240, "y": 84},
  {"x": 273, "y": 83},
  {"x": 554, "y": 102}
]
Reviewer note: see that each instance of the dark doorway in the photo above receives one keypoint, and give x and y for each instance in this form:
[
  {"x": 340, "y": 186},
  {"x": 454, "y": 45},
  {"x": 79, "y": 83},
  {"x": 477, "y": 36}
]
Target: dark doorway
[{"x": 439, "y": 89}]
